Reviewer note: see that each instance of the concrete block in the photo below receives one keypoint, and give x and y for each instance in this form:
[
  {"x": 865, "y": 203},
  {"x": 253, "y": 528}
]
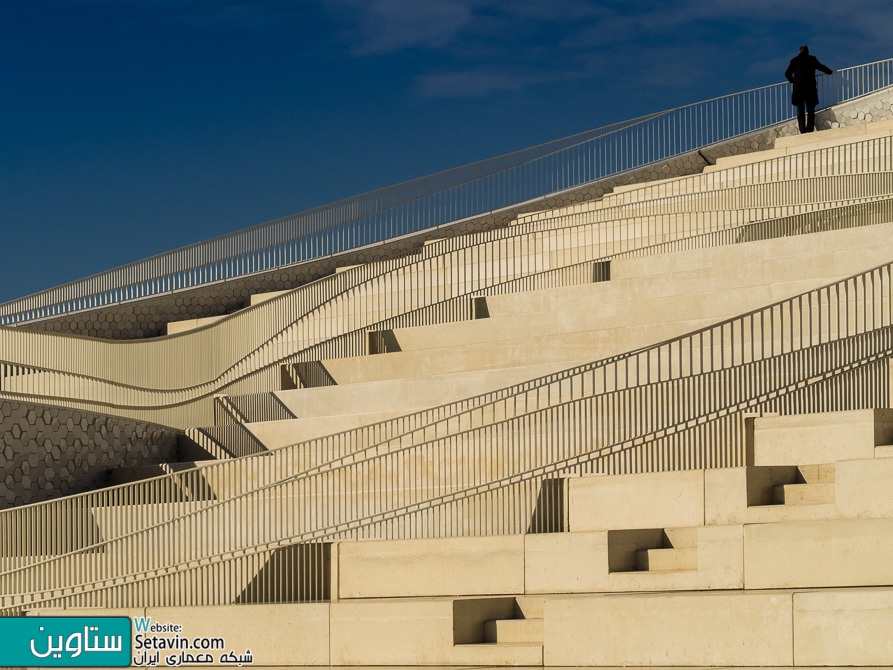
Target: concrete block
[
  {"x": 175, "y": 327},
  {"x": 803, "y": 494},
  {"x": 566, "y": 562},
  {"x": 579, "y": 563},
  {"x": 514, "y": 631},
  {"x": 709, "y": 629},
  {"x": 652, "y": 500},
  {"x": 820, "y": 438},
  {"x": 843, "y": 628},
  {"x": 258, "y": 298},
  {"x": 721, "y": 557},
  {"x": 807, "y": 554},
  {"x": 863, "y": 488},
  {"x": 745, "y": 495},
  {"x": 423, "y": 632},
  {"x": 431, "y": 567},
  {"x": 666, "y": 560}
]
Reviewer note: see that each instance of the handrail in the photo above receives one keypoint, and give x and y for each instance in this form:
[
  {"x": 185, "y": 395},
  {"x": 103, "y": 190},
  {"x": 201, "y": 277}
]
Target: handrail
[
  {"x": 748, "y": 361},
  {"x": 53, "y": 385},
  {"x": 471, "y": 190},
  {"x": 304, "y": 305},
  {"x": 376, "y": 434}
]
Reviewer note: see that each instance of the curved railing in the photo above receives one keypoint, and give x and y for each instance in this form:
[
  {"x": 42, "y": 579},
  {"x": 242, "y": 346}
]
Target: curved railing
[
  {"x": 220, "y": 480},
  {"x": 305, "y": 320},
  {"x": 674, "y": 405},
  {"x": 125, "y": 375},
  {"x": 446, "y": 197},
  {"x": 330, "y": 318}
]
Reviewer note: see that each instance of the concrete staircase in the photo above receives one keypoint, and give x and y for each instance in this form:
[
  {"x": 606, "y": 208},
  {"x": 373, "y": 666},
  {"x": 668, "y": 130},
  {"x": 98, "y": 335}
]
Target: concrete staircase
[
  {"x": 753, "y": 565},
  {"x": 678, "y": 551}
]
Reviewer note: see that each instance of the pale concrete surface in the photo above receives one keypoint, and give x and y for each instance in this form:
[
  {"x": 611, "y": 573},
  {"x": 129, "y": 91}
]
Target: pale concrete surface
[
  {"x": 652, "y": 500},
  {"x": 578, "y": 562},
  {"x": 863, "y": 488},
  {"x": 175, "y": 327},
  {"x": 810, "y": 554},
  {"x": 712, "y": 629},
  {"x": 821, "y": 438},
  {"x": 419, "y": 632},
  {"x": 460, "y": 566},
  {"x": 843, "y": 627},
  {"x": 686, "y": 291},
  {"x": 746, "y": 495}
]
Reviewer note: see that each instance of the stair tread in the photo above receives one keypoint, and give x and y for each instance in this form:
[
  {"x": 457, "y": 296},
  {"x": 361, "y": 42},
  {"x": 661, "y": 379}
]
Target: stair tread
[
  {"x": 666, "y": 560},
  {"x": 500, "y": 644},
  {"x": 804, "y": 493}
]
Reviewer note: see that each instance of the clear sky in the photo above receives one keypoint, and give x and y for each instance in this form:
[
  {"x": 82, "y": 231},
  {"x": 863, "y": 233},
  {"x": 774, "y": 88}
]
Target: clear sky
[{"x": 132, "y": 127}]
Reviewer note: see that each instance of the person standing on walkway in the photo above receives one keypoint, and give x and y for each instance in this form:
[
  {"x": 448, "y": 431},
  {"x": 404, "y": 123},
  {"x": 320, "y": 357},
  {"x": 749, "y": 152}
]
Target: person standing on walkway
[{"x": 805, "y": 94}]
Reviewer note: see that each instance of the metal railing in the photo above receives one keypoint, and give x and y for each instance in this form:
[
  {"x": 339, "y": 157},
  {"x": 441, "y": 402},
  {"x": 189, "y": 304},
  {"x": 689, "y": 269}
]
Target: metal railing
[
  {"x": 472, "y": 190},
  {"x": 674, "y": 405},
  {"x": 329, "y": 318}
]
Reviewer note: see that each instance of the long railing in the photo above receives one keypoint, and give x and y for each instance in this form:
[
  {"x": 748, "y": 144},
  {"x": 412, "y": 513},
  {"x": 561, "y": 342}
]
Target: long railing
[
  {"x": 354, "y": 441},
  {"x": 479, "y": 188},
  {"x": 53, "y": 368},
  {"x": 674, "y": 405}
]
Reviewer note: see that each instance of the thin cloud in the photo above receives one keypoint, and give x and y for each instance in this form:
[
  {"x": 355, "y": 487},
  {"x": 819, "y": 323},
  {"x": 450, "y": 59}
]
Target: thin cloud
[{"x": 376, "y": 27}]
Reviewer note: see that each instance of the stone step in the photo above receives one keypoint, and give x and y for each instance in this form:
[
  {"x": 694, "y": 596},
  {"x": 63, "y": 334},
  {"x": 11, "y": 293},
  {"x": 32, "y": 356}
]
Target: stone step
[
  {"x": 514, "y": 631},
  {"x": 884, "y": 451},
  {"x": 492, "y": 654},
  {"x": 654, "y": 560},
  {"x": 803, "y": 494},
  {"x": 258, "y": 298},
  {"x": 682, "y": 538},
  {"x": 824, "y": 473},
  {"x": 529, "y": 607},
  {"x": 836, "y": 133}
]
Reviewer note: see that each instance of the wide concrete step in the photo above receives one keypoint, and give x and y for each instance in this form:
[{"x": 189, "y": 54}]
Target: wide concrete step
[
  {"x": 884, "y": 451},
  {"x": 528, "y": 654},
  {"x": 803, "y": 494},
  {"x": 810, "y": 142},
  {"x": 529, "y": 607},
  {"x": 514, "y": 631},
  {"x": 853, "y": 133},
  {"x": 828, "y": 254},
  {"x": 820, "y": 473},
  {"x": 681, "y": 538},
  {"x": 658, "y": 560},
  {"x": 822, "y": 438},
  {"x": 409, "y": 394},
  {"x": 677, "y": 300},
  {"x": 764, "y": 166}
]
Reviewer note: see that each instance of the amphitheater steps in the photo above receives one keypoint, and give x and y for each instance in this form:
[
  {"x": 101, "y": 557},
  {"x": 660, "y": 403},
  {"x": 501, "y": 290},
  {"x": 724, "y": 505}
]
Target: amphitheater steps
[
  {"x": 679, "y": 551},
  {"x": 526, "y": 626},
  {"x": 854, "y": 133},
  {"x": 803, "y": 494},
  {"x": 725, "y": 171},
  {"x": 804, "y": 143},
  {"x": 627, "y": 312},
  {"x": 666, "y": 560},
  {"x": 514, "y": 631}
]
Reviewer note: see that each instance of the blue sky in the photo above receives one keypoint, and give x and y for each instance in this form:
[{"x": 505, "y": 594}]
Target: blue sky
[{"x": 132, "y": 127}]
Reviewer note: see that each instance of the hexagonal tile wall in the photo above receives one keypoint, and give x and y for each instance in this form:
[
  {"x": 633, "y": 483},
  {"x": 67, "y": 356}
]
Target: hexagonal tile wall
[{"x": 47, "y": 452}]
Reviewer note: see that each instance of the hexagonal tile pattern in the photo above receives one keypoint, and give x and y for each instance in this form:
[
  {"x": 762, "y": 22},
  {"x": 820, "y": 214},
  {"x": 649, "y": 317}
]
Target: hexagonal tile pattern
[{"x": 48, "y": 452}]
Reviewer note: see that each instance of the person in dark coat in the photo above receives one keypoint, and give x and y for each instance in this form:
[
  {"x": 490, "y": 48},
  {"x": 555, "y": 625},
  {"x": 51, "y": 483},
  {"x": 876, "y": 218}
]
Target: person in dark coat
[{"x": 805, "y": 94}]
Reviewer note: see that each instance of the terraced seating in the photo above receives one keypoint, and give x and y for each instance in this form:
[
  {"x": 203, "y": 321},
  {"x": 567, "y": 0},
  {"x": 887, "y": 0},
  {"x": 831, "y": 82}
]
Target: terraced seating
[{"x": 660, "y": 412}]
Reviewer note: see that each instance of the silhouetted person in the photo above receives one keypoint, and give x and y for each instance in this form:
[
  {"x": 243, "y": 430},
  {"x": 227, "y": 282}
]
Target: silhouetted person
[{"x": 805, "y": 96}]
